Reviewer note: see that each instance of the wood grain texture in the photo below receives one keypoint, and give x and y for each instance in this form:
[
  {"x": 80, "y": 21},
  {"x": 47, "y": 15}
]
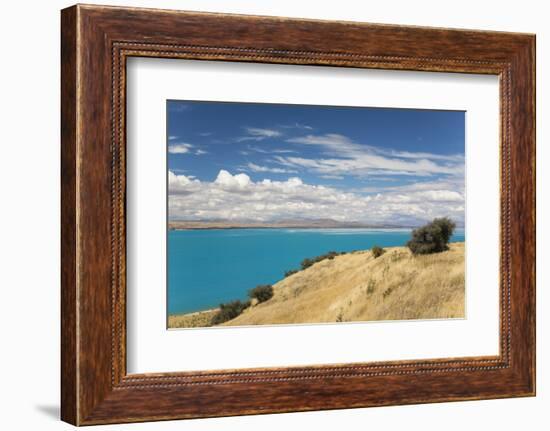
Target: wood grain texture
[
  {"x": 96, "y": 41},
  {"x": 69, "y": 366}
]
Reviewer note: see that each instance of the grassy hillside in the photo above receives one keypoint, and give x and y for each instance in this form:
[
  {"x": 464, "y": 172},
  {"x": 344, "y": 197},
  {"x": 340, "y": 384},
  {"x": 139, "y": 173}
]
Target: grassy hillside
[
  {"x": 358, "y": 287},
  {"x": 192, "y": 320}
]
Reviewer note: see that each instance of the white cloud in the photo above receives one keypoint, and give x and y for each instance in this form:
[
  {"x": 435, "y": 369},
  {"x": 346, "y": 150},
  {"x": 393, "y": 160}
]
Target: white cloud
[
  {"x": 331, "y": 141},
  {"x": 369, "y": 164},
  {"x": 267, "y": 133},
  {"x": 181, "y": 185},
  {"x": 409, "y": 155},
  {"x": 258, "y": 134},
  {"x": 258, "y": 150},
  {"x": 237, "y": 197},
  {"x": 270, "y": 150},
  {"x": 176, "y": 181},
  {"x": 455, "y": 183},
  {"x": 181, "y": 148},
  {"x": 257, "y": 168},
  {"x": 347, "y": 157},
  {"x": 297, "y": 126},
  {"x": 185, "y": 148},
  {"x": 332, "y": 177},
  {"x": 232, "y": 182}
]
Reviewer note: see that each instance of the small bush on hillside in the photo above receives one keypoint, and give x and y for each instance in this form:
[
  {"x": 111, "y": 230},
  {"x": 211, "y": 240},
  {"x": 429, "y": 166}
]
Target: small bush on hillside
[
  {"x": 306, "y": 263},
  {"x": 387, "y": 292},
  {"x": 371, "y": 286},
  {"x": 377, "y": 251},
  {"x": 262, "y": 292},
  {"x": 229, "y": 311},
  {"x": 291, "y": 272},
  {"x": 432, "y": 237}
]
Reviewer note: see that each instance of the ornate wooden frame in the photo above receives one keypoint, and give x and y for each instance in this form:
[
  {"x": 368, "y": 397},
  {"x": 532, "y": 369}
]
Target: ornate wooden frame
[{"x": 95, "y": 42}]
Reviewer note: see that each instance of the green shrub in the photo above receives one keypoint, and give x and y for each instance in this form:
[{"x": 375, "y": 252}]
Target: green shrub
[
  {"x": 229, "y": 311},
  {"x": 291, "y": 272},
  {"x": 432, "y": 237},
  {"x": 387, "y": 292},
  {"x": 262, "y": 293},
  {"x": 377, "y": 251},
  {"x": 371, "y": 286},
  {"x": 306, "y": 263}
]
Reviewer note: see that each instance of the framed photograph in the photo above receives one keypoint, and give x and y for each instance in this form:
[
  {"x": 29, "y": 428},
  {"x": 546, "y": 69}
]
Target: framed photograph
[
  {"x": 335, "y": 247},
  {"x": 267, "y": 215}
]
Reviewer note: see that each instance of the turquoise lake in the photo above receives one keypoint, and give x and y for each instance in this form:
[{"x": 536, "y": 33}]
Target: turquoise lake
[{"x": 207, "y": 267}]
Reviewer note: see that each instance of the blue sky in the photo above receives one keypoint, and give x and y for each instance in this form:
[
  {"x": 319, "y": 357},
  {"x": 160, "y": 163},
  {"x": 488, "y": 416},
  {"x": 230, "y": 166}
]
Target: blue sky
[{"x": 274, "y": 161}]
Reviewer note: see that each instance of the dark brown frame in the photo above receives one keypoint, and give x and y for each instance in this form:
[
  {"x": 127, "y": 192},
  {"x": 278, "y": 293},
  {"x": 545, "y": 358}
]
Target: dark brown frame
[{"x": 95, "y": 42}]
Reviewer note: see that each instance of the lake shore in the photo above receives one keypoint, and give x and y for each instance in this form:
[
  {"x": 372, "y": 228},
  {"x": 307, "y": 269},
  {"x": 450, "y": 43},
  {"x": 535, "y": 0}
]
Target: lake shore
[
  {"x": 356, "y": 286},
  {"x": 288, "y": 224},
  {"x": 196, "y": 319}
]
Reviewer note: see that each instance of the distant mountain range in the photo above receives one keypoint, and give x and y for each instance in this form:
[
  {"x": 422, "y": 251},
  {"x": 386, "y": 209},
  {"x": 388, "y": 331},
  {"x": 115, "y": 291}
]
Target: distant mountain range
[{"x": 298, "y": 223}]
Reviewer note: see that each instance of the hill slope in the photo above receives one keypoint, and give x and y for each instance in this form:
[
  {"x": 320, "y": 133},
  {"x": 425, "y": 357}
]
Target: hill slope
[{"x": 358, "y": 287}]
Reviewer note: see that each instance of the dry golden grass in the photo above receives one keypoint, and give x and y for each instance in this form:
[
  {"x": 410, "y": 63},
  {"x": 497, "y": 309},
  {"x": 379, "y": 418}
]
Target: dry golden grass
[
  {"x": 192, "y": 320},
  {"x": 358, "y": 287}
]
